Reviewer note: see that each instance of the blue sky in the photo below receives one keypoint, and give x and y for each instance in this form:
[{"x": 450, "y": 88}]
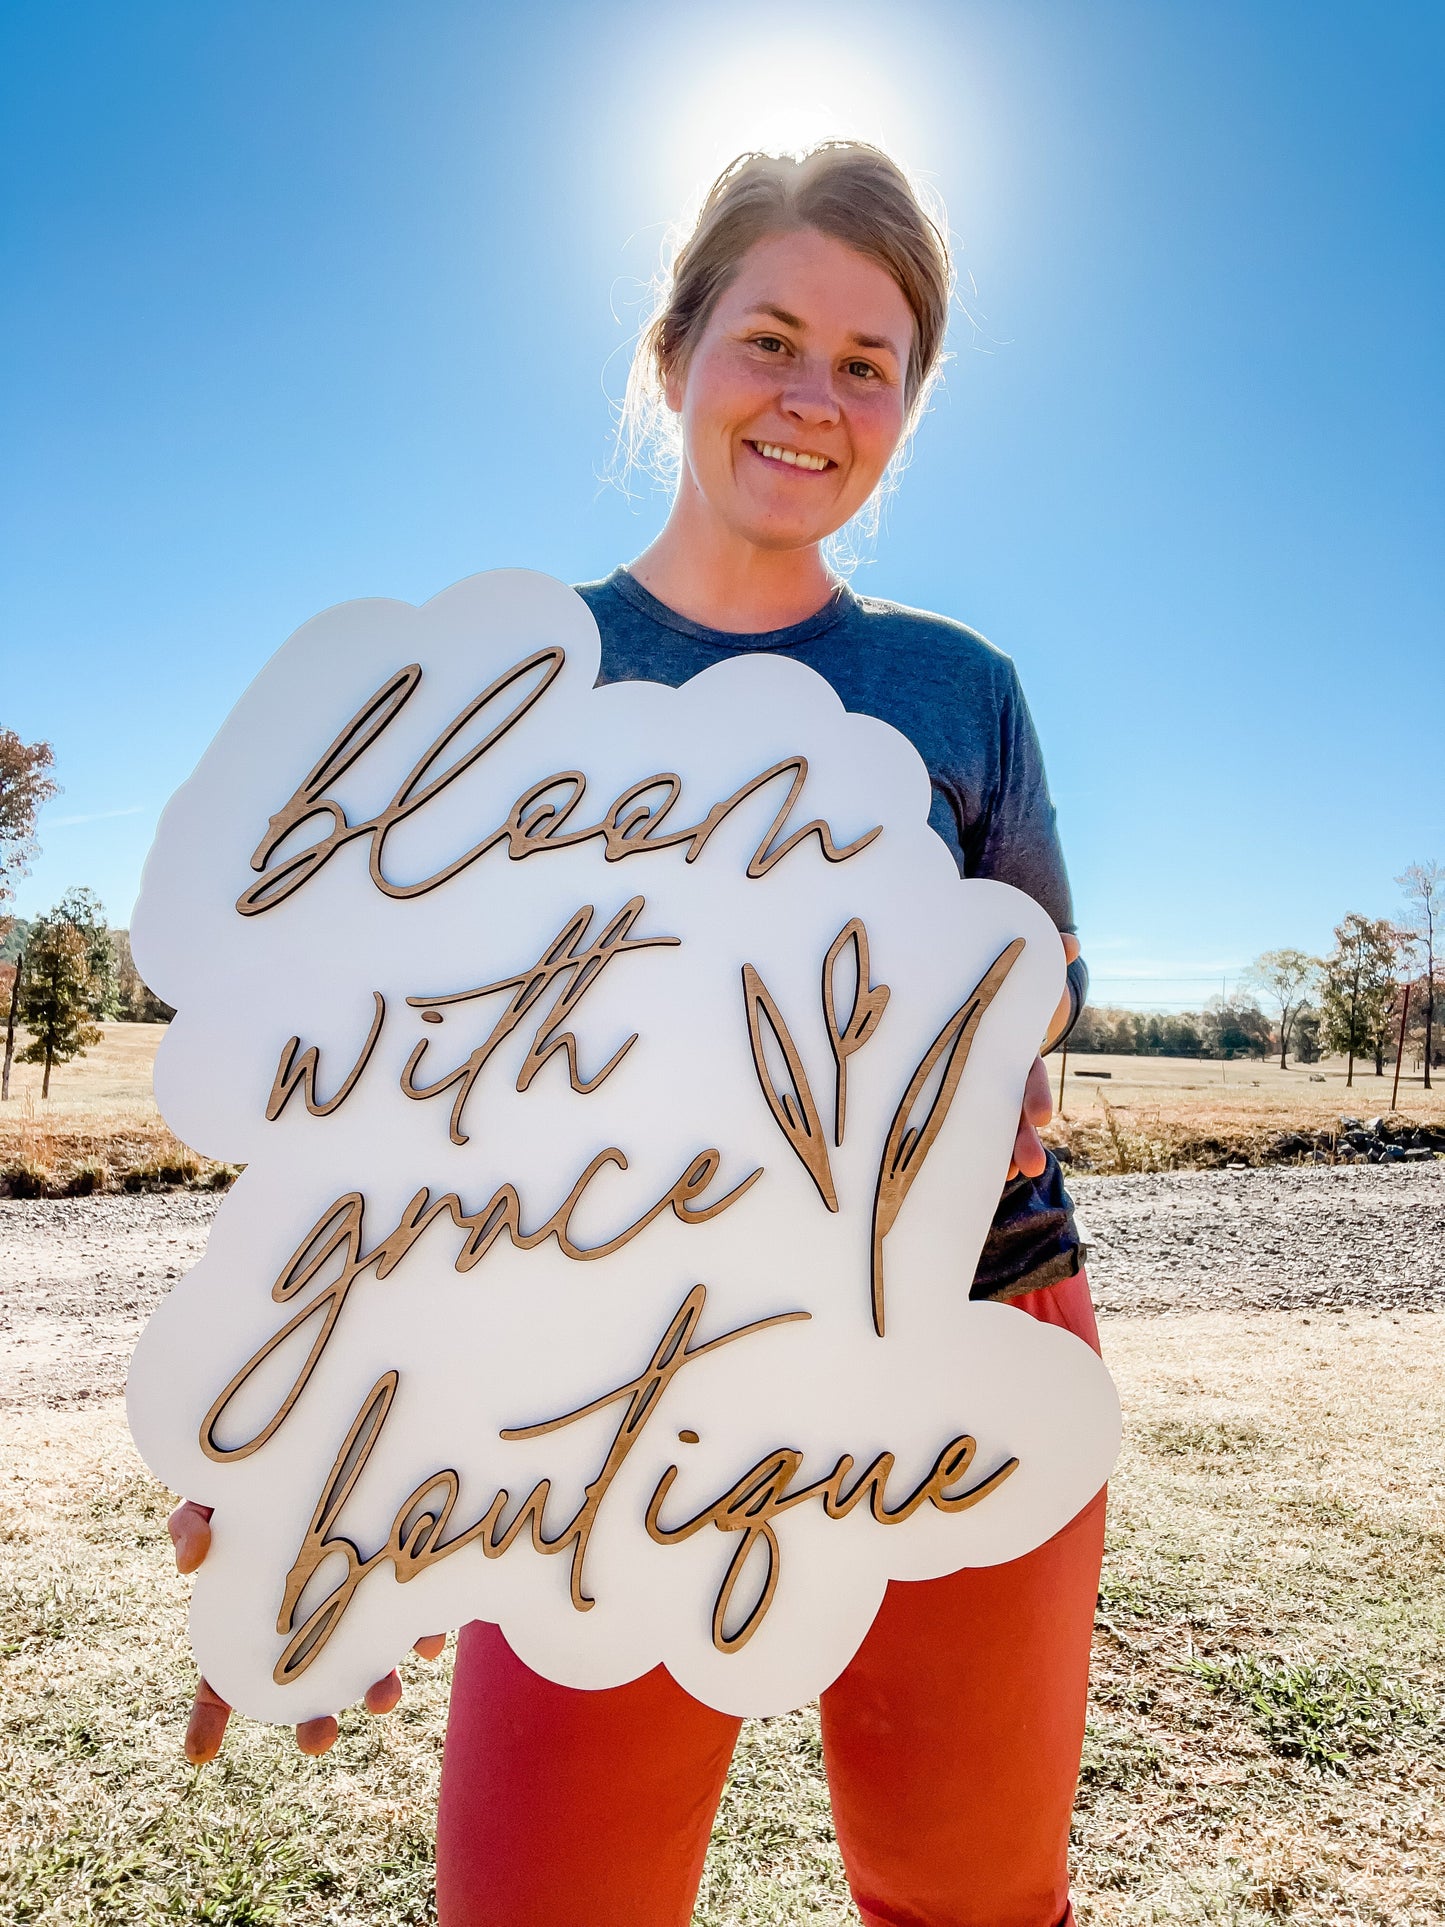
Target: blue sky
[{"x": 311, "y": 301}]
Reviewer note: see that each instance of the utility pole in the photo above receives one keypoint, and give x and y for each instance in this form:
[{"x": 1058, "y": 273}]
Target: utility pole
[
  {"x": 1399, "y": 1048},
  {"x": 10, "y": 1030}
]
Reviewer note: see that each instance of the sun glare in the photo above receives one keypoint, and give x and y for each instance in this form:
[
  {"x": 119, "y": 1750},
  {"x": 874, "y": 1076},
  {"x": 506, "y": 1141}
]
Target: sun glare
[{"x": 783, "y": 99}]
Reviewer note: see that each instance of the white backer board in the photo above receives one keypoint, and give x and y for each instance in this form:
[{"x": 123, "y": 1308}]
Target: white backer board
[{"x": 426, "y": 1365}]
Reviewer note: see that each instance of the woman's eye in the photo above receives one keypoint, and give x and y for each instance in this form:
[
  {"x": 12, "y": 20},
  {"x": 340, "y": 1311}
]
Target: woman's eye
[
  {"x": 771, "y": 343},
  {"x": 865, "y": 369}
]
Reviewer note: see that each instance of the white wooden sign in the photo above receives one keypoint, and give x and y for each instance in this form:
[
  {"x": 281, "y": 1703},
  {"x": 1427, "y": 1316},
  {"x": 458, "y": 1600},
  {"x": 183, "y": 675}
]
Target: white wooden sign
[{"x": 625, "y": 1082}]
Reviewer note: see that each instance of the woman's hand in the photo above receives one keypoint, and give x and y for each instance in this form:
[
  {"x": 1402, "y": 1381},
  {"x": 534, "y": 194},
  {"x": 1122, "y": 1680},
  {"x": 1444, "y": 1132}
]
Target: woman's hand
[
  {"x": 190, "y": 1529},
  {"x": 1029, "y": 1156}
]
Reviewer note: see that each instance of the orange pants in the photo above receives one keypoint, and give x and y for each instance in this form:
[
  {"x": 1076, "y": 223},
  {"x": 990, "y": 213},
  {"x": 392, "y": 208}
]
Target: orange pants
[{"x": 952, "y": 1745}]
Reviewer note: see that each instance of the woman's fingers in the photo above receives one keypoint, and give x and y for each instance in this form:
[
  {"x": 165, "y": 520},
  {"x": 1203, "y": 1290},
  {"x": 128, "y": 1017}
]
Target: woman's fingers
[
  {"x": 1029, "y": 1156},
  {"x": 207, "y": 1727},
  {"x": 209, "y": 1714},
  {"x": 190, "y": 1529},
  {"x": 317, "y": 1736},
  {"x": 1064, "y": 1009},
  {"x": 1038, "y": 1094},
  {"x": 382, "y": 1695}
]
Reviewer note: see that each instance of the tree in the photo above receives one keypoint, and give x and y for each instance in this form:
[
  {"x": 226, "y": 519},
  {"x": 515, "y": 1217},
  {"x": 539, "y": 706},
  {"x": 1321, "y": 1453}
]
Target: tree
[
  {"x": 1286, "y": 979},
  {"x": 1387, "y": 1025},
  {"x": 1307, "y": 1036},
  {"x": 1234, "y": 1029},
  {"x": 1359, "y": 978},
  {"x": 13, "y": 974},
  {"x": 1424, "y": 887},
  {"x": 24, "y": 786},
  {"x": 85, "y": 911},
  {"x": 138, "y": 1003},
  {"x": 68, "y": 981},
  {"x": 1104, "y": 1029},
  {"x": 1172, "y": 1034}
]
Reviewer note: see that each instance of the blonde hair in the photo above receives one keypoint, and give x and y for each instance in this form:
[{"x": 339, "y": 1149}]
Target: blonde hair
[{"x": 848, "y": 190}]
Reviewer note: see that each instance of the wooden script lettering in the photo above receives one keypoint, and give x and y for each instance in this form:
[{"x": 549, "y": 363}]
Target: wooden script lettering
[{"x": 625, "y": 1082}]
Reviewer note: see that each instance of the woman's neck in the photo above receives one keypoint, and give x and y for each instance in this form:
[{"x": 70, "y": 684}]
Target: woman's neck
[{"x": 713, "y": 576}]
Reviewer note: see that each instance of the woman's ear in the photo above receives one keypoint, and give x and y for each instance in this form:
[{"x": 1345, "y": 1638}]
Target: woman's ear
[{"x": 672, "y": 385}]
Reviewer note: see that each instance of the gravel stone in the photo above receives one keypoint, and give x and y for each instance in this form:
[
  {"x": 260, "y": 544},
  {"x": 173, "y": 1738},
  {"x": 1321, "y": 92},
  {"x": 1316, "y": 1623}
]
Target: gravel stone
[
  {"x": 1287, "y": 1238},
  {"x": 78, "y": 1279}
]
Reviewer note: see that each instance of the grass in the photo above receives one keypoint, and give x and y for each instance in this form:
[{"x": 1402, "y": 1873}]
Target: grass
[
  {"x": 1325, "y": 1714},
  {"x": 1265, "y": 1744},
  {"x": 99, "y": 1130},
  {"x": 1163, "y": 1113}
]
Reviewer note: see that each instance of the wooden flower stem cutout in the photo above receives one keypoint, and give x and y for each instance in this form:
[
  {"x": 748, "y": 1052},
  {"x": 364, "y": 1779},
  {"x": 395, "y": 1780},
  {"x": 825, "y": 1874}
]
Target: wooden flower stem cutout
[
  {"x": 907, "y": 1144},
  {"x": 793, "y": 1108},
  {"x": 863, "y": 1019}
]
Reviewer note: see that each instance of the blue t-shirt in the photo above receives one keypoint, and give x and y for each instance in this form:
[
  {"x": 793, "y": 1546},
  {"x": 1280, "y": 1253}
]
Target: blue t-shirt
[{"x": 958, "y": 700}]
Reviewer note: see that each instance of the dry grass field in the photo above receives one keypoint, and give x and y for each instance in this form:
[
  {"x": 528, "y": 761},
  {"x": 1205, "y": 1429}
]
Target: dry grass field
[
  {"x": 99, "y": 1126},
  {"x": 1267, "y": 1741},
  {"x": 1244, "y": 1088},
  {"x": 1154, "y": 1113},
  {"x": 99, "y": 1129}
]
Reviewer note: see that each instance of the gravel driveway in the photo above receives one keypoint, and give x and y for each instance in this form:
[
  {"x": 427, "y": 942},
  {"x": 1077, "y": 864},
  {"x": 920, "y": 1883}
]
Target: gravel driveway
[
  {"x": 78, "y": 1276},
  {"x": 1282, "y": 1239}
]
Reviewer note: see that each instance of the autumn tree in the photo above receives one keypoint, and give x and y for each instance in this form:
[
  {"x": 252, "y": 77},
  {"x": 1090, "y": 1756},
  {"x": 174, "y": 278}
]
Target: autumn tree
[
  {"x": 1359, "y": 984},
  {"x": 1234, "y": 1029},
  {"x": 68, "y": 981},
  {"x": 24, "y": 786},
  {"x": 1306, "y": 1035},
  {"x": 138, "y": 1003},
  {"x": 1424, "y": 887},
  {"x": 1286, "y": 979}
]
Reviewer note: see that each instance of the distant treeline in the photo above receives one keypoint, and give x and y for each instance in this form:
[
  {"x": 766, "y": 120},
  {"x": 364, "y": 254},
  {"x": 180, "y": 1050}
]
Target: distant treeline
[{"x": 1221, "y": 1030}]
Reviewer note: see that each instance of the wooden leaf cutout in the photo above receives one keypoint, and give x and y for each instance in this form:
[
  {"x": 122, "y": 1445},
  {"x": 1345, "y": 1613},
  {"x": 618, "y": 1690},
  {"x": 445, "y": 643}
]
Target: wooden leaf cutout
[
  {"x": 869, "y": 1003},
  {"x": 794, "y": 1110},
  {"x": 908, "y": 1144}
]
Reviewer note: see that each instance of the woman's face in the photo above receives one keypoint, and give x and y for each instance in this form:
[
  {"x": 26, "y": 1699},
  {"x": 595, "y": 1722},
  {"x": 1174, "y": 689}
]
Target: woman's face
[{"x": 792, "y": 400}]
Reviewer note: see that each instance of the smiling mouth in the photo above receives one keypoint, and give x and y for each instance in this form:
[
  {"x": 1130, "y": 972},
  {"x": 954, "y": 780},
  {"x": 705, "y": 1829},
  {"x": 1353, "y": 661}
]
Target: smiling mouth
[{"x": 792, "y": 457}]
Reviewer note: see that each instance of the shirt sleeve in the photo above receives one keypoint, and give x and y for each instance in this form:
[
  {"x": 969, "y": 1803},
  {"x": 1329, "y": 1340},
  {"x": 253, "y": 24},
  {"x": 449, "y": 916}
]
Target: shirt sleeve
[{"x": 1016, "y": 837}]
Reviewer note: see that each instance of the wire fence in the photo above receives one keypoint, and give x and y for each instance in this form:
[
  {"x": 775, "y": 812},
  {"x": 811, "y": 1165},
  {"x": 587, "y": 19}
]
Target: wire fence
[{"x": 1208, "y": 984}]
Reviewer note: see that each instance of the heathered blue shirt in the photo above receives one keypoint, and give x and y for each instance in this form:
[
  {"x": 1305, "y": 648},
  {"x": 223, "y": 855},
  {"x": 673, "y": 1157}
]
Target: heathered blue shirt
[{"x": 958, "y": 700}]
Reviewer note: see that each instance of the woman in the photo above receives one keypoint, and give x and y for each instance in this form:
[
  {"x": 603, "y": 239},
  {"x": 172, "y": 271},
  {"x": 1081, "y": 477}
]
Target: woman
[{"x": 792, "y": 350}]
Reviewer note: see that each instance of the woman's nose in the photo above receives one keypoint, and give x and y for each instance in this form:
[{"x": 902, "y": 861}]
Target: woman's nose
[{"x": 810, "y": 396}]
